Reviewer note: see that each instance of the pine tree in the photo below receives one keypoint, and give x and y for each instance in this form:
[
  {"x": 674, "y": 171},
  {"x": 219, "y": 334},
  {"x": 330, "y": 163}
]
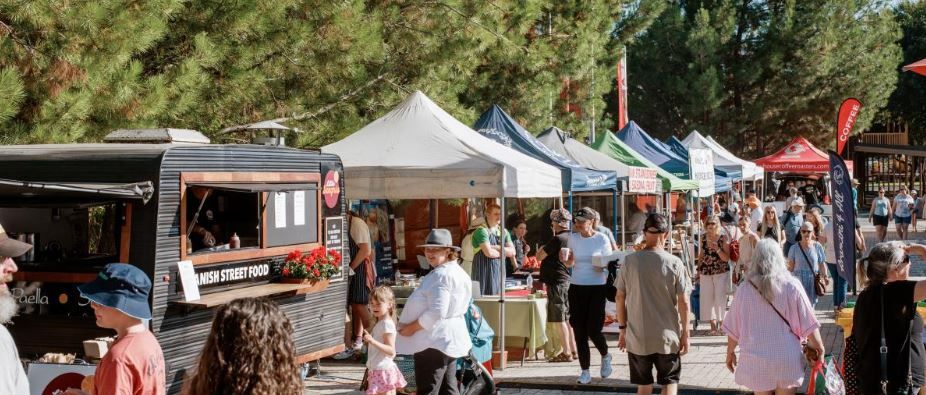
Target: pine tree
[
  {"x": 754, "y": 74},
  {"x": 907, "y": 102},
  {"x": 73, "y": 71},
  {"x": 558, "y": 61}
]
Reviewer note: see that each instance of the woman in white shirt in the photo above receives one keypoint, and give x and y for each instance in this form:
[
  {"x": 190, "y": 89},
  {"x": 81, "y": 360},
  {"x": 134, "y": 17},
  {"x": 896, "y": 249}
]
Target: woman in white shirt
[
  {"x": 903, "y": 211},
  {"x": 432, "y": 326},
  {"x": 587, "y": 292}
]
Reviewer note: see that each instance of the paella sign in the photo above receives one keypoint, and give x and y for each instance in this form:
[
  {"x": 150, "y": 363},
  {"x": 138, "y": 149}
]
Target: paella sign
[{"x": 642, "y": 180}]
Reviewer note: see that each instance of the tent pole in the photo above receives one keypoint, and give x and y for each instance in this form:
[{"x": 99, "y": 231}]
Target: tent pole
[
  {"x": 501, "y": 299},
  {"x": 614, "y": 210},
  {"x": 623, "y": 223},
  {"x": 570, "y": 201},
  {"x": 669, "y": 216}
]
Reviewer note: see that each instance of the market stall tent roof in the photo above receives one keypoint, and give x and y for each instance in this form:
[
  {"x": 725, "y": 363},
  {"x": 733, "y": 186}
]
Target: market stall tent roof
[
  {"x": 799, "y": 156},
  {"x": 497, "y": 125},
  {"x": 560, "y": 142},
  {"x": 918, "y": 67},
  {"x": 723, "y": 180},
  {"x": 419, "y": 151},
  {"x": 612, "y": 146},
  {"x": 751, "y": 171},
  {"x": 737, "y": 169},
  {"x": 654, "y": 150}
]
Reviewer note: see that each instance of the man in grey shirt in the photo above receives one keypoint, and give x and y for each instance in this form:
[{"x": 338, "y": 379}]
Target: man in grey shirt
[
  {"x": 652, "y": 310},
  {"x": 12, "y": 378}
]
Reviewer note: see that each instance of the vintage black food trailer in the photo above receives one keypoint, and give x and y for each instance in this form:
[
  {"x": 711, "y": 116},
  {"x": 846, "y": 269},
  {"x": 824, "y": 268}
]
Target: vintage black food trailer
[{"x": 86, "y": 205}]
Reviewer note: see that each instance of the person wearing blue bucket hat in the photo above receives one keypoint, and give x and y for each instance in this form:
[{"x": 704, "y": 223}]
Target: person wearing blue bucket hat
[{"x": 135, "y": 362}]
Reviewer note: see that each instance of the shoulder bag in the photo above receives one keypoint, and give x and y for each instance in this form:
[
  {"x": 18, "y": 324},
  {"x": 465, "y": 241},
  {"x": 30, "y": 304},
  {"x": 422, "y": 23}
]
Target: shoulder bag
[
  {"x": 819, "y": 282},
  {"x": 809, "y": 353},
  {"x": 882, "y": 353}
]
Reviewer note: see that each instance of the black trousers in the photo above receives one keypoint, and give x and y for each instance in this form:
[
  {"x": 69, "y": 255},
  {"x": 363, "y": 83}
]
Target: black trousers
[
  {"x": 586, "y": 315},
  {"x": 435, "y": 373}
]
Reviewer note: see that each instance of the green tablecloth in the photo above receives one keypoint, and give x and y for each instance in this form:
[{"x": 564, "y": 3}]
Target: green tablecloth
[{"x": 524, "y": 319}]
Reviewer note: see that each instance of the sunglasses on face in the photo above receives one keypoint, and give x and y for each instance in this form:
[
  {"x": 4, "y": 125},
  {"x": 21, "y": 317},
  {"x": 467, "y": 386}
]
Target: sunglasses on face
[{"x": 805, "y": 232}]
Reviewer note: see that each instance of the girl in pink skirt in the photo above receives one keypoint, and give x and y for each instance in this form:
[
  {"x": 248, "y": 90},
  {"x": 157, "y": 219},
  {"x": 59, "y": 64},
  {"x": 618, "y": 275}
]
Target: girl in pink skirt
[{"x": 384, "y": 376}]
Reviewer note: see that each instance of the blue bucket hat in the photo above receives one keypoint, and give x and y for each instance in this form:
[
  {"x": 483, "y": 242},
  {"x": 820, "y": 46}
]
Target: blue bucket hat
[{"x": 123, "y": 287}]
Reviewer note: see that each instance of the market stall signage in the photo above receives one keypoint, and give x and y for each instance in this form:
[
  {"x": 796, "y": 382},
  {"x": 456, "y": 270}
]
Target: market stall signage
[
  {"x": 642, "y": 180},
  {"x": 331, "y": 188},
  {"x": 214, "y": 276},
  {"x": 702, "y": 170},
  {"x": 334, "y": 237}
]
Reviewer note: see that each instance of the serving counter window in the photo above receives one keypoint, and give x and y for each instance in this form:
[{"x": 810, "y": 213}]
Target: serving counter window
[
  {"x": 66, "y": 238},
  {"x": 233, "y": 216}
]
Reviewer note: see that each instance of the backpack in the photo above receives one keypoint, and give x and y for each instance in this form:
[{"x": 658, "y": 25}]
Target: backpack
[{"x": 611, "y": 290}]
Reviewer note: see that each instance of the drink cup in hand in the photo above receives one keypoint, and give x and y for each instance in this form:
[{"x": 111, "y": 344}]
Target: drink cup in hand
[{"x": 564, "y": 254}]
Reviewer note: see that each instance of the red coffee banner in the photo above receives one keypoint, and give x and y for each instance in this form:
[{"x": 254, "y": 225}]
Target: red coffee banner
[{"x": 848, "y": 113}]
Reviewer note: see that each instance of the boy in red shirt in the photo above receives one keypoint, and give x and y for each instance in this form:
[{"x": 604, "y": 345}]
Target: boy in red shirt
[{"x": 134, "y": 364}]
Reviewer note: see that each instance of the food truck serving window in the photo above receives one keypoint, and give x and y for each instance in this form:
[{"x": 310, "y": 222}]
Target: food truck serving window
[{"x": 234, "y": 220}]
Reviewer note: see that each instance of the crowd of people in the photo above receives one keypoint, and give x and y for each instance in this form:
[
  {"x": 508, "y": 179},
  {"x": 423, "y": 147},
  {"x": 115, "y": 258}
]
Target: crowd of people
[{"x": 758, "y": 274}]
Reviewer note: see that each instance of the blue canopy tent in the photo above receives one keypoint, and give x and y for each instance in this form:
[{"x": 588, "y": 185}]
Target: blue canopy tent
[
  {"x": 499, "y": 126},
  {"x": 654, "y": 150},
  {"x": 723, "y": 180}
]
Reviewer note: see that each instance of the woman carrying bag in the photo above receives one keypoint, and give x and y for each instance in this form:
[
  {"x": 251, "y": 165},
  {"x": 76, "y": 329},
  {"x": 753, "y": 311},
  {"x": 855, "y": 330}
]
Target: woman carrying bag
[
  {"x": 886, "y": 319},
  {"x": 807, "y": 262}
]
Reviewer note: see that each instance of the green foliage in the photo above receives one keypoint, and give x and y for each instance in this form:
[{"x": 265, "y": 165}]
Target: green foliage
[
  {"x": 906, "y": 105},
  {"x": 74, "y": 70},
  {"x": 756, "y": 73}
]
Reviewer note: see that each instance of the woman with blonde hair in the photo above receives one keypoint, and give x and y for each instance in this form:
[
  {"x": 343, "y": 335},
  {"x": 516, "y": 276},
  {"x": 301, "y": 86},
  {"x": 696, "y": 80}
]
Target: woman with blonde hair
[
  {"x": 232, "y": 362},
  {"x": 712, "y": 272},
  {"x": 814, "y": 217},
  {"x": 769, "y": 312},
  {"x": 747, "y": 242},
  {"x": 770, "y": 227},
  {"x": 806, "y": 259}
]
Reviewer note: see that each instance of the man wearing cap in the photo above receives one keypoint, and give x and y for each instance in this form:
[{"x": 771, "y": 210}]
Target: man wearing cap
[
  {"x": 791, "y": 222},
  {"x": 134, "y": 363},
  {"x": 12, "y": 378},
  {"x": 652, "y": 311},
  {"x": 554, "y": 273}
]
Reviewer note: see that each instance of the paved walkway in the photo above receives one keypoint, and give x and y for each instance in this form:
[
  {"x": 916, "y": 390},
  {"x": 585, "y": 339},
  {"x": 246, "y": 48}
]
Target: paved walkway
[{"x": 703, "y": 369}]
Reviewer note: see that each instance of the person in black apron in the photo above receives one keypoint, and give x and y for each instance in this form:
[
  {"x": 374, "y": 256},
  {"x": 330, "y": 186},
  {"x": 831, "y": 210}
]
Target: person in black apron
[
  {"x": 359, "y": 284},
  {"x": 487, "y": 262}
]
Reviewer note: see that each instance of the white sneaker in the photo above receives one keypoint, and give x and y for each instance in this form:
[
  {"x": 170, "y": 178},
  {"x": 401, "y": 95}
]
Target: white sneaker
[
  {"x": 606, "y": 366},
  {"x": 585, "y": 377},
  {"x": 358, "y": 345},
  {"x": 346, "y": 354}
]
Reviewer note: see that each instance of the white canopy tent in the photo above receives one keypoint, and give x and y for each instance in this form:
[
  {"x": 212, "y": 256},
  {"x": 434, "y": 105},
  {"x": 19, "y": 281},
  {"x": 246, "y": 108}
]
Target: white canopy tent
[
  {"x": 419, "y": 151},
  {"x": 757, "y": 174},
  {"x": 724, "y": 158}
]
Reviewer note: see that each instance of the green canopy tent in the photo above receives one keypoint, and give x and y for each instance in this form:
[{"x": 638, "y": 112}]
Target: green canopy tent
[{"x": 612, "y": 146}]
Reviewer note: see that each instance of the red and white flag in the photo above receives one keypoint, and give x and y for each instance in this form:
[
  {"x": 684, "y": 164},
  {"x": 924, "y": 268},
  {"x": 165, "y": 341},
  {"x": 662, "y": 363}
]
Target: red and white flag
[
  {"x": 848, "y": 113},
  {"x": 622, "y": 91}
]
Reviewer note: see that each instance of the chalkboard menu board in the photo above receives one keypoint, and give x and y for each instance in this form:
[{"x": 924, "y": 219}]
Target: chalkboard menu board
[{"x": 292, "y": 218}]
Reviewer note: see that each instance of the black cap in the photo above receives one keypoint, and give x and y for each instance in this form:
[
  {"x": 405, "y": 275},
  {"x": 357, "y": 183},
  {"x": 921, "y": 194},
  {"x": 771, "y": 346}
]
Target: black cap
[{"x": 656, "y": 223}]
